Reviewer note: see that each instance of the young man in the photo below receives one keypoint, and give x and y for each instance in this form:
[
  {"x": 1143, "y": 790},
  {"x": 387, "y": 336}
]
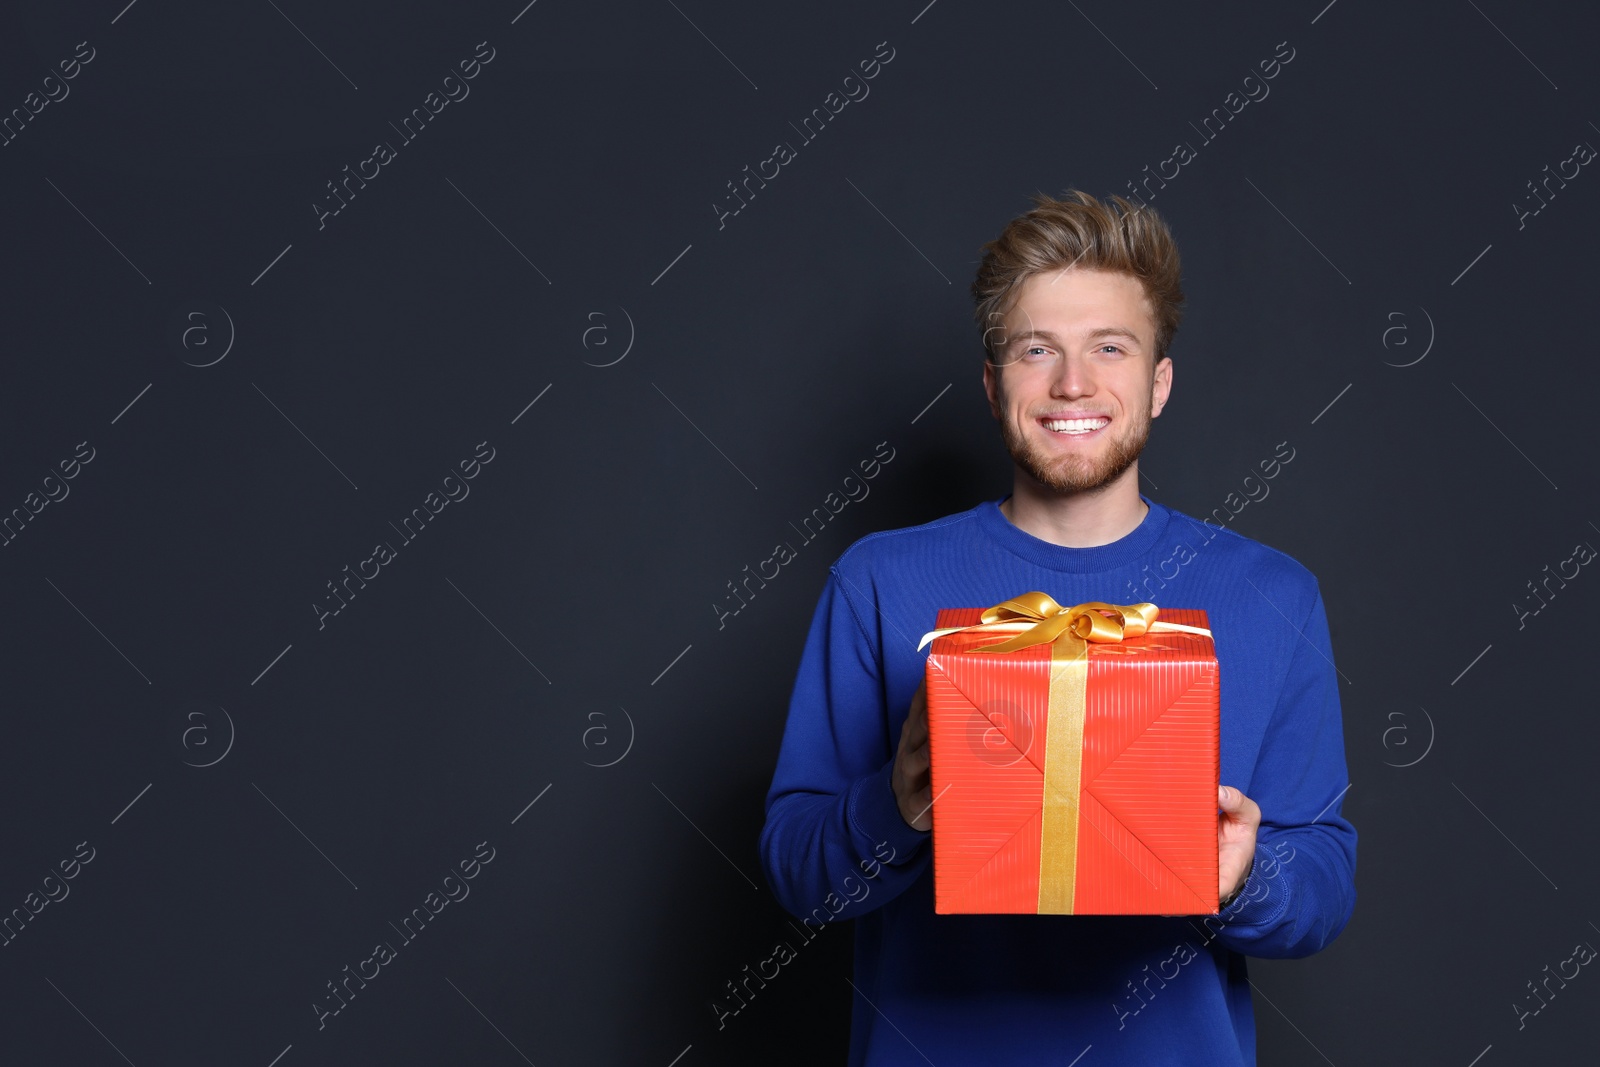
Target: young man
[{"x": 1078, "y": 301}]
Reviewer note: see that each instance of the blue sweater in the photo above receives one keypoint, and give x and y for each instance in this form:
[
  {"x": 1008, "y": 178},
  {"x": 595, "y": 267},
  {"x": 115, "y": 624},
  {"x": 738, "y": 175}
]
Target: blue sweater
[{"x": 993, "y": 990}]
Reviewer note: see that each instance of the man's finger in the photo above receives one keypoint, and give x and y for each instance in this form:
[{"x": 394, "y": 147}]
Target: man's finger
[
  {"x": 918, "y": 735},
  {"x": 1238, "y": 808}
]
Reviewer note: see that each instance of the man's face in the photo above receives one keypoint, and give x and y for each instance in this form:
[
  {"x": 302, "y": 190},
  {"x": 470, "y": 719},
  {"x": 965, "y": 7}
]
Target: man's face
[{"x": 1077, "y": 382}]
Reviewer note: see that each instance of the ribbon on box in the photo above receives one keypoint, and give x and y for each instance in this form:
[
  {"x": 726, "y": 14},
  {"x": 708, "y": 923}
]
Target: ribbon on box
[{"x": 1037, "y": 619}]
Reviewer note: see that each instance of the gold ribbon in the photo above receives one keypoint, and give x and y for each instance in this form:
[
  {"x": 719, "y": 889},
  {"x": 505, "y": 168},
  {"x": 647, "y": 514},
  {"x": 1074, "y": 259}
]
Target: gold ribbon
[{"x": 1069, "y": 631}]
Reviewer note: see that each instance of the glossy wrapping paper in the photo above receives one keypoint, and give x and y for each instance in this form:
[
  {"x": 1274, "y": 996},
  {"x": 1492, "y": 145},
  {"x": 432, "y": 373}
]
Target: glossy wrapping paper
[{"x": 1133, "y": 828}]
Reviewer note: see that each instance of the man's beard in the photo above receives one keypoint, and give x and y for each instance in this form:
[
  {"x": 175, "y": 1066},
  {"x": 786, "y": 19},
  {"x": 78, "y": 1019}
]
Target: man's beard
[{"x": 1072, "y": 473}]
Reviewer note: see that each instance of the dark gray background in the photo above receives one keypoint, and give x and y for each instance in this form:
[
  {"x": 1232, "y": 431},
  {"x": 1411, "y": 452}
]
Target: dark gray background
[{"x": 564, "y": 607}]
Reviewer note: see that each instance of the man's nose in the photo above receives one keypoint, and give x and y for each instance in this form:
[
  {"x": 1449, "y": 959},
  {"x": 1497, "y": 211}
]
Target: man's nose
[{"x": 1072, "y": 377}]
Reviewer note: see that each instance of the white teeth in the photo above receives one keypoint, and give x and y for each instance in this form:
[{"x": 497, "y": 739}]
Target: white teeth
[{"x": 1075, "y": 425}]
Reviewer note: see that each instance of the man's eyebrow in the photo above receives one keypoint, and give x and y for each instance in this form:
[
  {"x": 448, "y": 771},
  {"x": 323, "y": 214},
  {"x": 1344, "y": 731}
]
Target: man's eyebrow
[{"x": 1113, "y": 331}]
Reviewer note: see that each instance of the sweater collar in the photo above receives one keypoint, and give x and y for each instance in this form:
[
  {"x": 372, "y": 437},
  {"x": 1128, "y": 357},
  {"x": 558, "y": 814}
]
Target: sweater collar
[{"x": 1043, "y": 553}]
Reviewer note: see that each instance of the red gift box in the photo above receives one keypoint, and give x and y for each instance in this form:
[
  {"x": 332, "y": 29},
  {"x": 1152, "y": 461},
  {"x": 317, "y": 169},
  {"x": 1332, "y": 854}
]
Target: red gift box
[{"x": 1076, "y": 774}]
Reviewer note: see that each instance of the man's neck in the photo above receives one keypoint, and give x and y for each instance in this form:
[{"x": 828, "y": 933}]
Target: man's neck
[{"x": 1077, "y": 520}]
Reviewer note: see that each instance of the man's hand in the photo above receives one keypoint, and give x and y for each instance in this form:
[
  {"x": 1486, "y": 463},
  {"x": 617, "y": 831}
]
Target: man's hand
[
  {"x": 913, "y": 788},
  {"x": 1236, "y": 839}
]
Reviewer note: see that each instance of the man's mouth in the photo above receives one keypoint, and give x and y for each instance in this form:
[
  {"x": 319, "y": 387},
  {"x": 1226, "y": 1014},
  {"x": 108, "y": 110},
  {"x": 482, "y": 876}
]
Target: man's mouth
[{"x": 1076, "y": 427}]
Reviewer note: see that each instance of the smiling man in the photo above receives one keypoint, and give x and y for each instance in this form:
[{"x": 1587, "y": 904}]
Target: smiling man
[{"x": 1078, "y": 302}]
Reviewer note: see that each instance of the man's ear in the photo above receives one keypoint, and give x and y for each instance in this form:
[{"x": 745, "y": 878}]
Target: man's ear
[
  {"x": 1161, "y": 388},
  {"x": 991, "y": 387}
]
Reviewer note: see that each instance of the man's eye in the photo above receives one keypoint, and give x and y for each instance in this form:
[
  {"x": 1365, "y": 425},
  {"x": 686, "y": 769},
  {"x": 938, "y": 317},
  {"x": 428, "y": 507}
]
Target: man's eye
[
  {"x": 1034, "y": 350},
  {"x": 1109, "y": 348}
]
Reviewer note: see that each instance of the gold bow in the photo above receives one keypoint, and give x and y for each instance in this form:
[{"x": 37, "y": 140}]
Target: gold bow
[
  {"x": 1069, "y": 632},
  {"x": 1040, "y": 619}
]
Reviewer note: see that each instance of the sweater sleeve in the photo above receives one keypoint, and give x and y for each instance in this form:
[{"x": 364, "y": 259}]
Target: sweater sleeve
[
  {"x": 1301, "y": 891},
  {"x": 834, "y": 838}
]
